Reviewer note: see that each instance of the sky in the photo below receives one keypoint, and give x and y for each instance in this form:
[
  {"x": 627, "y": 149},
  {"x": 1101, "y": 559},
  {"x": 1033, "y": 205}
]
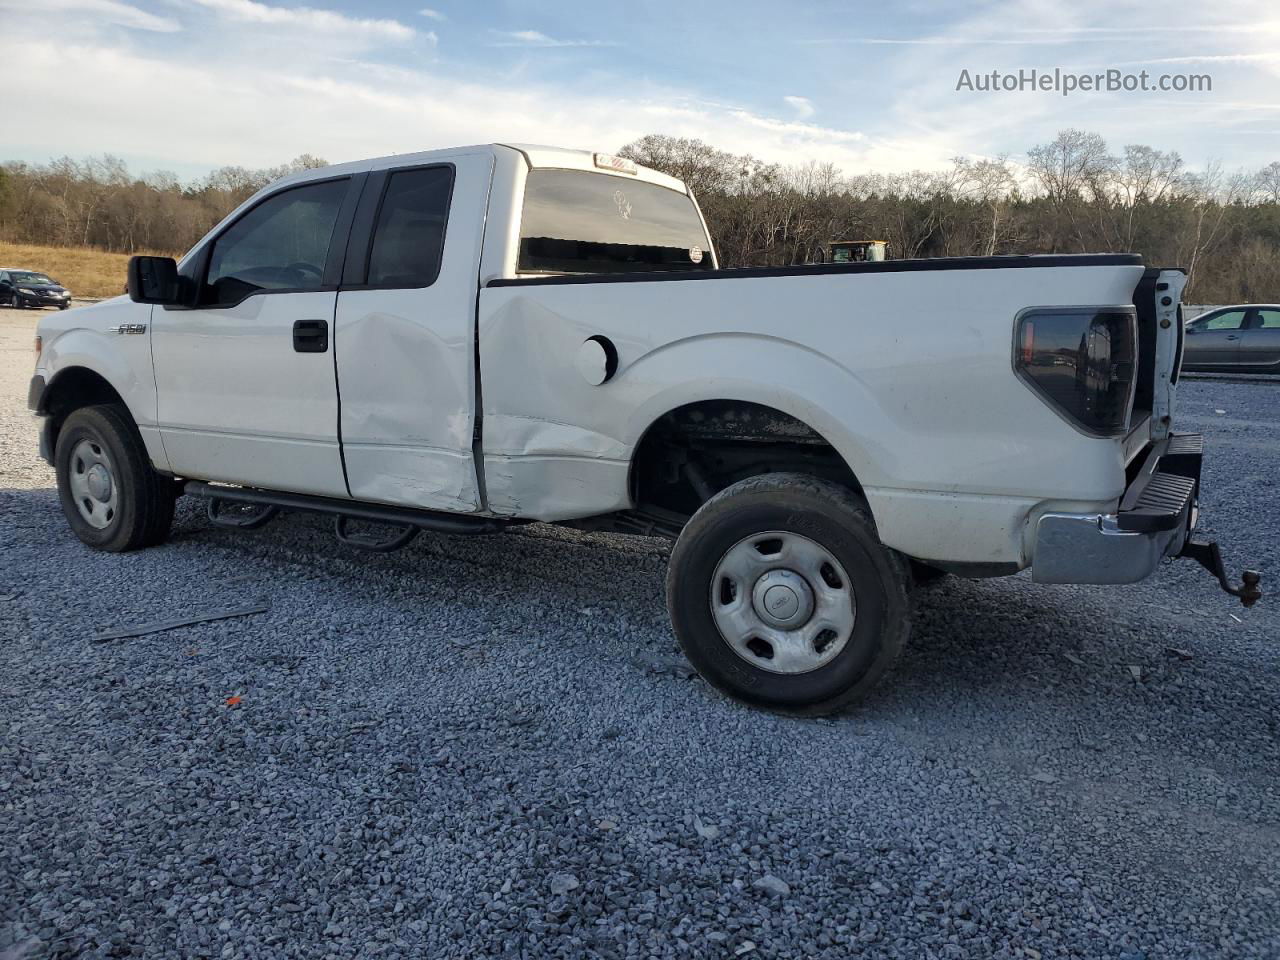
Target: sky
[{"x": 190, "y": 85}]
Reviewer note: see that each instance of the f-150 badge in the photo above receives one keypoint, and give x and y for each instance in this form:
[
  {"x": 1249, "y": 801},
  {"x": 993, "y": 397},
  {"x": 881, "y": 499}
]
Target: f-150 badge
[{"x": 128, "y": 328}]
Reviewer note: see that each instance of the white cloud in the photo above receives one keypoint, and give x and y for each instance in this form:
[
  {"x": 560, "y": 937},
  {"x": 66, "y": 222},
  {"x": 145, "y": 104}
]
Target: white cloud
[
  {"x": 803, "y": 106},
  {"x": 108, "y": 11},
  {"x": 535, "y": 38},
  {"x": 326, "y": 97},
  {"x": 308, "y": 18},
  {"x": 1217, "y": 58},
  {"x": 347, "y": 109},
  {"x": 1147, "y": 29},
  {"x": 432, "y": 14},
  {"x": 943, "y": 41}
]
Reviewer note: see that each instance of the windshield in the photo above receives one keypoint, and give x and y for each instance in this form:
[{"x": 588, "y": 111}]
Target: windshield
[
  {"x": 25, "y": 276},
  {"x": 579, "y": 222}
]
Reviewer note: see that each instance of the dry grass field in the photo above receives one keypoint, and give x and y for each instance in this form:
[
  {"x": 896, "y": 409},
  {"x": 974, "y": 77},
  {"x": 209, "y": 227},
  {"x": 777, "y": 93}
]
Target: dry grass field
[{"x": 84, "y": 271}]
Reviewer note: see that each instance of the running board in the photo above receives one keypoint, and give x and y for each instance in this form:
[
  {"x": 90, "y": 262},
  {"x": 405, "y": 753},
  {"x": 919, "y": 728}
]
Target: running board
[{"x": 457, "y": 524}]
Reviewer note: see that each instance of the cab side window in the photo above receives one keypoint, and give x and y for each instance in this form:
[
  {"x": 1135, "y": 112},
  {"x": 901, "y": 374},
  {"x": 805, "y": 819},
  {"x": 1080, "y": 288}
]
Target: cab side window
[
  {"x": 1269, "y": 319},
  {"x": 280, "y": 245},
  {"x": 408, "y": 237}
]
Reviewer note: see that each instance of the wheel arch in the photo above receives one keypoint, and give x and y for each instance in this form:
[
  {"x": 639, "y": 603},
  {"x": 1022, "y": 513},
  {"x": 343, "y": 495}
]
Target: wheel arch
[
  {"x": 702, "y": 446},
  {"x": 76, "y": 386}
]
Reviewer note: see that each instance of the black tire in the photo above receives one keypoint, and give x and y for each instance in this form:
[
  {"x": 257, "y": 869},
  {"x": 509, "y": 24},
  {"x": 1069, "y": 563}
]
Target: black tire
[
  {"x": 63, "y": 306},
  {"x": 15, "y": 303},
  {"x": 143, "y": 511},
  {"x": 839, "y": 522}
]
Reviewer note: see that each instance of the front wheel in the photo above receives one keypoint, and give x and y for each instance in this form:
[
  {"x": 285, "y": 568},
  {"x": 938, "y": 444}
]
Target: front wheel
[
  {"x": 110, "y": 496},
  {"x": 782, "y": 595},
  {"x": 15, "y": 303}
]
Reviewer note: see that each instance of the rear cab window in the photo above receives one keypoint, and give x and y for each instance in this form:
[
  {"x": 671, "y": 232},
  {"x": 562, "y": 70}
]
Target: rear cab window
[
  {"x": 577, "y": 221},
  {"x": 408, "y": 237}
]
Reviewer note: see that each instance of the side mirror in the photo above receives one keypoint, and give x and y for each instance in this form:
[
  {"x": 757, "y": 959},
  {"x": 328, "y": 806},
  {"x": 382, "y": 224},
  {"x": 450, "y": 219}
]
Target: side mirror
[
  {"x": 1192, "y": 330},
  {"x": 154, "y": 280}
]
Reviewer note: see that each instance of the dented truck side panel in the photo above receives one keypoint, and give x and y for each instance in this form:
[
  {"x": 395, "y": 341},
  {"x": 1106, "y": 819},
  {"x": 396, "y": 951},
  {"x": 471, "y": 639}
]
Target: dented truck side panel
[
  {"x": 406, "y": 367},
  {"x": 907, "y": 375}
]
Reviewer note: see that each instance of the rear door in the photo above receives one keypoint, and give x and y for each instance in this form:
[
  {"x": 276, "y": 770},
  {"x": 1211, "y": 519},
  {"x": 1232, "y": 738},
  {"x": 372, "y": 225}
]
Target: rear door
[
  {"x": 245, "y": 385},
  {"x": 1214, "y": 339},
  {"x": 1260, "y": 346},
  {"x": 405, "y": 334}
]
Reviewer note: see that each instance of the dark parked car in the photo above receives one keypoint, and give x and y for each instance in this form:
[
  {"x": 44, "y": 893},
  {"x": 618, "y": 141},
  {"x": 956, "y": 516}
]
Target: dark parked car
[
  {"x": 30, "y": 288},
  {"x": 1244, "y": 339}
]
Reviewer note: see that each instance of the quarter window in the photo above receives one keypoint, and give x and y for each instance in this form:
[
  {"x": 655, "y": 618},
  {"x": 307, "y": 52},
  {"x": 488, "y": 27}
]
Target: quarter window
[
  {"x": 408, "y": 238},
  {"x": 280, "y": 245}
]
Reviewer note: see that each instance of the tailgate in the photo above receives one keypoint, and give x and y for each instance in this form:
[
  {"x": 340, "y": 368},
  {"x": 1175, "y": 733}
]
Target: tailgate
[{"x": 1157, "y": 299}]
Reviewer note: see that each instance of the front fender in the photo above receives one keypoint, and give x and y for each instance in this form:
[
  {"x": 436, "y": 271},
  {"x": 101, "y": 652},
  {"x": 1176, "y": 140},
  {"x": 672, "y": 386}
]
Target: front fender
[
  {"x": 91, "y": 341},
  {"x": 123, "y": 360}
]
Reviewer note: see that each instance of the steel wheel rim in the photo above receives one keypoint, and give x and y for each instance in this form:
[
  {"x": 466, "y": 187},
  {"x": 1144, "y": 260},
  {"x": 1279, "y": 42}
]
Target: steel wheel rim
[
  {"x": 752, "y": 594},
  {"x": 93, "y": 483}
]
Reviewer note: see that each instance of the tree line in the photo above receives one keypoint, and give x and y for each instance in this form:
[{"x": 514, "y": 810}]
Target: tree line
[
  {"x": 1070, "y": 195},
  {"x": 98, "y": 202}
]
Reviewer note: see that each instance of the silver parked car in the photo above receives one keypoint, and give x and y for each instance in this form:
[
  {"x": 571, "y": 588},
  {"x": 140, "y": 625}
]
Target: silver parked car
[{"x": 1244, "y": 339}]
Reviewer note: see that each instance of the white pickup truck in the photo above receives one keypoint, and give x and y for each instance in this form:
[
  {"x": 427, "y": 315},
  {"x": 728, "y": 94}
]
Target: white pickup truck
[{"x": 466, "y": 339}]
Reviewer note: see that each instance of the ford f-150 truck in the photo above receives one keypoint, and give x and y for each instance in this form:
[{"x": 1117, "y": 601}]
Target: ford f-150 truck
[{"x": 467, "y": 339}]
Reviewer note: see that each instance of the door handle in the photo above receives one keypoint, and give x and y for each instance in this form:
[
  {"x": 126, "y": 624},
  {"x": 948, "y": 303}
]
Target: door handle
[
  {"x": 310, "y": 336},
  {"x": 1233, "y": 337}
]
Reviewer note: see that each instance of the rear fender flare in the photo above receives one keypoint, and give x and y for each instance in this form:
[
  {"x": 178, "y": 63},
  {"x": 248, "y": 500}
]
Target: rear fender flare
[{"x": 772, "y": 372}]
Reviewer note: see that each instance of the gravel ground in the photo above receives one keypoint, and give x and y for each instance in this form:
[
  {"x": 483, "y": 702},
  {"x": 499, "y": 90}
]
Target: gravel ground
[{"x": 490, "y": 747}]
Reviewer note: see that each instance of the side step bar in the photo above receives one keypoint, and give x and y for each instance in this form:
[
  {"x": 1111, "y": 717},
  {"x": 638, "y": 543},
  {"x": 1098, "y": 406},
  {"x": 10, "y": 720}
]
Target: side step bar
[{"x": 457, "y": 524}]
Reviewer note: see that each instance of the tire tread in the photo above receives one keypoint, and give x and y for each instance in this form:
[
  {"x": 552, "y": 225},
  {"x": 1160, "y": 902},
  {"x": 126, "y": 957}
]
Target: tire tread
[
  {"x": 896, "y": 577},
  {"x": 153, "y": 495}
]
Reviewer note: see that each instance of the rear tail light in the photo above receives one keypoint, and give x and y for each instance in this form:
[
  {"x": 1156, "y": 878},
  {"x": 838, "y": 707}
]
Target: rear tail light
[{"x": 1082, "y": 363}]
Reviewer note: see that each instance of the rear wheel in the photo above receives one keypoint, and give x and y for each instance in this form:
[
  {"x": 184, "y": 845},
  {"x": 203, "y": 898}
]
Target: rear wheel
[
  {"x": 110, "y": 496},
  {"x": 782, "y": 595}
]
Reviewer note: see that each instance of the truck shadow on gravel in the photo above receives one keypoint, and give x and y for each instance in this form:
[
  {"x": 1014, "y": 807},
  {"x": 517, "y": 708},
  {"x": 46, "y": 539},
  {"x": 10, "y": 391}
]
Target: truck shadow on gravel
[{"x": 977, "y": 648}]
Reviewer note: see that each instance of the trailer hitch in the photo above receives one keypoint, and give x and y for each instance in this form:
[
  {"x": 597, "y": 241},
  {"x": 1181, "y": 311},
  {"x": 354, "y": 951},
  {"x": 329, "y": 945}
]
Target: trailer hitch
[{"x": 1210, "y": 557}]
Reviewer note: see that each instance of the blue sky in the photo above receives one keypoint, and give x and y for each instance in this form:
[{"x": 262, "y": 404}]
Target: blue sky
[{"x": 187, "y": 85}]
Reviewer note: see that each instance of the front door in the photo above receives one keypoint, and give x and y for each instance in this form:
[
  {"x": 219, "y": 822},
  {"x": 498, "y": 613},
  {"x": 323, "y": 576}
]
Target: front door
[
  {"x": 1214, "y": 340},
  {"x": 246, "y": 389}
]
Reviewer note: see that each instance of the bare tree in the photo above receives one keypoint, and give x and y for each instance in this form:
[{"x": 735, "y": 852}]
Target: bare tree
[
  {"x": 990, "y": 183},
  {"x": 1071, "y": 169}
]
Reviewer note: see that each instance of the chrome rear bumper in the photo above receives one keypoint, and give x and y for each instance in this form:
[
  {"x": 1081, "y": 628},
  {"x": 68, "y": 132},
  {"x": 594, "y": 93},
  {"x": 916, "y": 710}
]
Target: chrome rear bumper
[
  {"x": 1091, "y": 548},
  {"x": 1155, "y": 518}
]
